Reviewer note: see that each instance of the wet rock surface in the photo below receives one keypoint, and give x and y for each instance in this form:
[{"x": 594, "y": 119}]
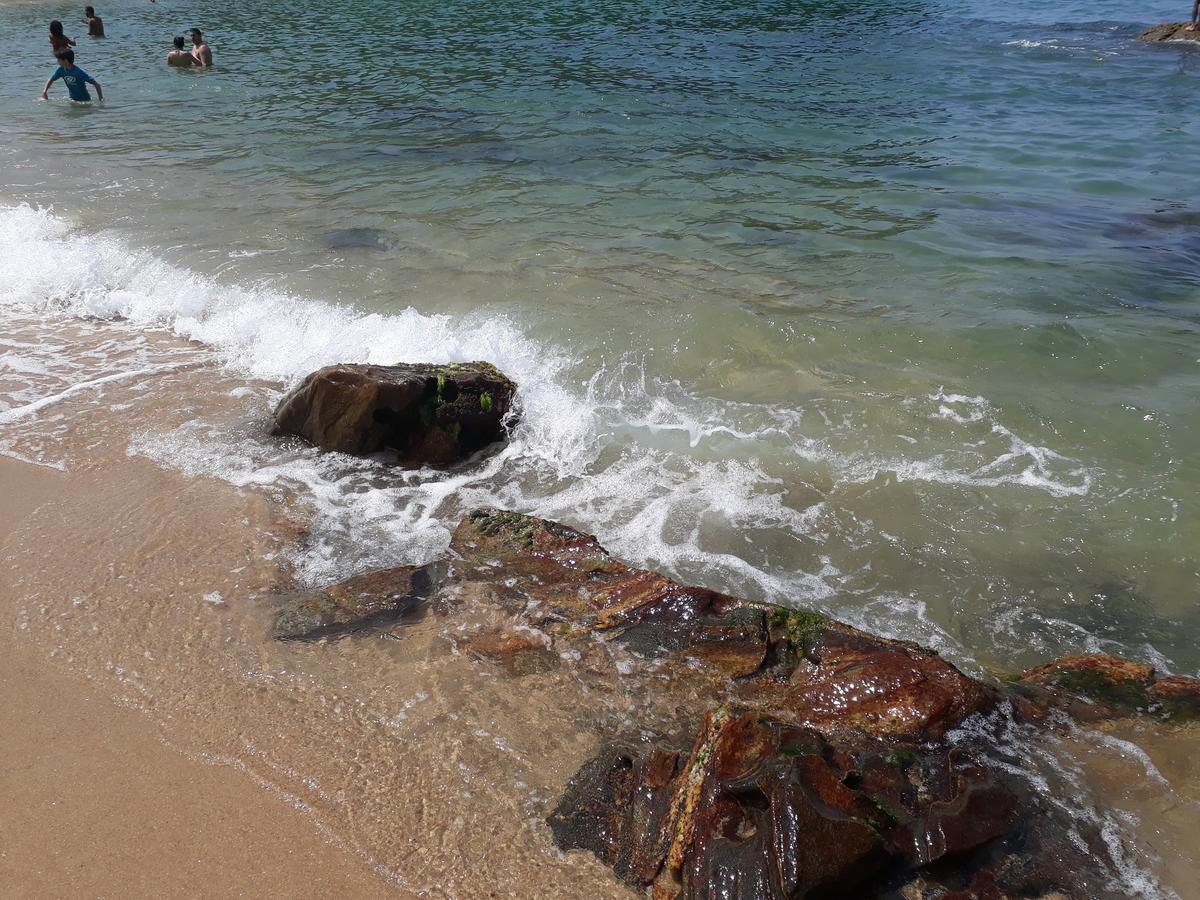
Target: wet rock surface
[
  {"x": 804, "y": 758},
  {"x": 760, "y": 808},
  {"x": 374, "y": 599},
  {"x": 1097, "y": 686},
  {"x": 430, "y": 415},
  {"x": 1169, "y": 31}
]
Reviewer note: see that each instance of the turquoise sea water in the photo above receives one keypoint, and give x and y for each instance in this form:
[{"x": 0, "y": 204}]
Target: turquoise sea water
[{"x": 888, "y": 308}]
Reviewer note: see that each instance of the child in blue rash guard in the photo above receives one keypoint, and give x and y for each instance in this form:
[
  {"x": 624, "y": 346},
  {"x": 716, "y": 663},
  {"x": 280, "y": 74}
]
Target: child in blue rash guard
[{"x": 74, "y": 77}]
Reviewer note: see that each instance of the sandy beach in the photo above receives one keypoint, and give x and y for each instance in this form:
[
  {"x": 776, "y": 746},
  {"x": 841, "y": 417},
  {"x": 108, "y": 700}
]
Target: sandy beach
[
  {"x": 164, "y": 745},
  {"x": 98, "y": 803}
]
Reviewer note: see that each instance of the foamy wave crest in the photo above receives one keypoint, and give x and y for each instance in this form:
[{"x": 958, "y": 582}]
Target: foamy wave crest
[
  {"x": 46, "y": 267},
  {"x": 589, "y": 457},
  {"x": 753, "y": 498}
]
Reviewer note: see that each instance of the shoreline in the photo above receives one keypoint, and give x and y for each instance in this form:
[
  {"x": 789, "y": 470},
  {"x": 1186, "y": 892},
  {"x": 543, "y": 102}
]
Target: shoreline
[
  {"x": 903, "y": 387},
  {"x": 98, "y": 804},
  {"x": 155, "y": 586}
]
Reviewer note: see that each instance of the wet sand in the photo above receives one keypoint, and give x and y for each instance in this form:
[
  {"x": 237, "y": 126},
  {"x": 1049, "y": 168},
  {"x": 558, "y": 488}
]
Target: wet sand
[
  {"x": 97, "y": 805},
  {"x": 141, "y": 582}
]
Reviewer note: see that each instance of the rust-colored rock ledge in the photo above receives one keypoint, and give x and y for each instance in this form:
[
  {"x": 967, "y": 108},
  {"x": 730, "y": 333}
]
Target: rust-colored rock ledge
[{"x": 823, "y": 760}]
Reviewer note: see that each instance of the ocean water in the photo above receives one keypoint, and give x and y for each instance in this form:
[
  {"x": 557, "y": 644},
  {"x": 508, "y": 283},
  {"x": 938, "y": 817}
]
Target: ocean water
[{"x": 885, "y": 308}]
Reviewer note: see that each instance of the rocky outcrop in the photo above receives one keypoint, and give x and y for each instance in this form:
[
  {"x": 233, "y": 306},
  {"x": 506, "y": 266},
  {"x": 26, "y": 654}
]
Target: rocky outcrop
[
  {"x": 429, "y": 415},
  {"x": 1169, "y": 31},
  {"x": 806, "y": 668},
  {"x": 1097, "y": 686},
  {"x": 762, "y": 809},
  {"x": 805, "y": 758}
]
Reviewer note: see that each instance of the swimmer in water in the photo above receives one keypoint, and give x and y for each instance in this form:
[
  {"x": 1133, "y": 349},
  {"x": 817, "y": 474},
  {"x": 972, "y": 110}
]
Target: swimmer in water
[
  {"x": 94, "y": 23},
  {"x": 58, "y": 40},
  {"x": 201, "y": 52},
  {"x": 179, "y": 56}
]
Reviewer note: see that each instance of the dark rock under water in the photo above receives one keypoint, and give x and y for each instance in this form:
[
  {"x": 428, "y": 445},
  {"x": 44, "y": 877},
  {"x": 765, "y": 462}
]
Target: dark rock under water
[{"x": 359, "y": 239}]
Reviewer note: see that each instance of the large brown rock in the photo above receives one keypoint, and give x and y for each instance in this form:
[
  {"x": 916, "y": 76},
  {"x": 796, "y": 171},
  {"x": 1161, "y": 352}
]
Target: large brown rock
[
  {"x": 847, "y": 679},
  {"x": 430, "y": 415},
  {"x": 817, "y": 775},
  {"x": 763, "y": 809},
  {"x": 1169, "y": 31}
]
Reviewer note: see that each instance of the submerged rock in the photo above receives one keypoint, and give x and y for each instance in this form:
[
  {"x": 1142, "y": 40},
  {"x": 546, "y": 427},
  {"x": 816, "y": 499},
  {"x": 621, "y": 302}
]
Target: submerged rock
[
  {"x": 358, "y": 239},
  {"x": 382, "y": 597},
  {"x": 1169, "y": 31},
  {"x": 517, "y": 653},
  {"x": 1098, "y": 686},
  {"x": 555, "y": 575},
  {"x": 430, "y": 415}
]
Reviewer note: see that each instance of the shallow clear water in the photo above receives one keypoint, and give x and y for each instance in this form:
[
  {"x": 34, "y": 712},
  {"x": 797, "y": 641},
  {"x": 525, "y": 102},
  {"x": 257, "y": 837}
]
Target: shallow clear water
[{"x": 887, "y": 308}]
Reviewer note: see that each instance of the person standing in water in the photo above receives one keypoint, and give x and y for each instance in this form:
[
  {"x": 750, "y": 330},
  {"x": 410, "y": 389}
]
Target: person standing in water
[
  {"x": 74, "y": 78},
  {"x": 1192, "y": 25},
  {"x": 179, "y": 56},
  {"x": 58, "y": 40},
  {"x": 94, "y": 23},
  {"x": 201, "y": 52}
]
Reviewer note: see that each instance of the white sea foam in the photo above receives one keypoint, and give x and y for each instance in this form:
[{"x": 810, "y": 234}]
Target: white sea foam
[
  {"x": 665, "y": 476},
  {"x": 908, "y": 619},
  {"x": 47, "y": 268},
  {"x": 28, "y": 409},
  {"x": 1056, "y": 46}
]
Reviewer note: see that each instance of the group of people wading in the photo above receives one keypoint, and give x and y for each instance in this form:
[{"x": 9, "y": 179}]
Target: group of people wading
[{"x": 77, "y": 80}]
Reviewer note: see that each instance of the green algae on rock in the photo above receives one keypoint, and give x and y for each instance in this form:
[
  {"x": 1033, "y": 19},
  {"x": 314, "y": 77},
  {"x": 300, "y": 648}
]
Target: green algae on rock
[{"x": 430, "y": 415}]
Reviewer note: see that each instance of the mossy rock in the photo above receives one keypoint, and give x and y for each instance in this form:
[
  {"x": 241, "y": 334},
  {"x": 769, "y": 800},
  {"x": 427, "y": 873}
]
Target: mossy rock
[{"x": 428, "y": 415}]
